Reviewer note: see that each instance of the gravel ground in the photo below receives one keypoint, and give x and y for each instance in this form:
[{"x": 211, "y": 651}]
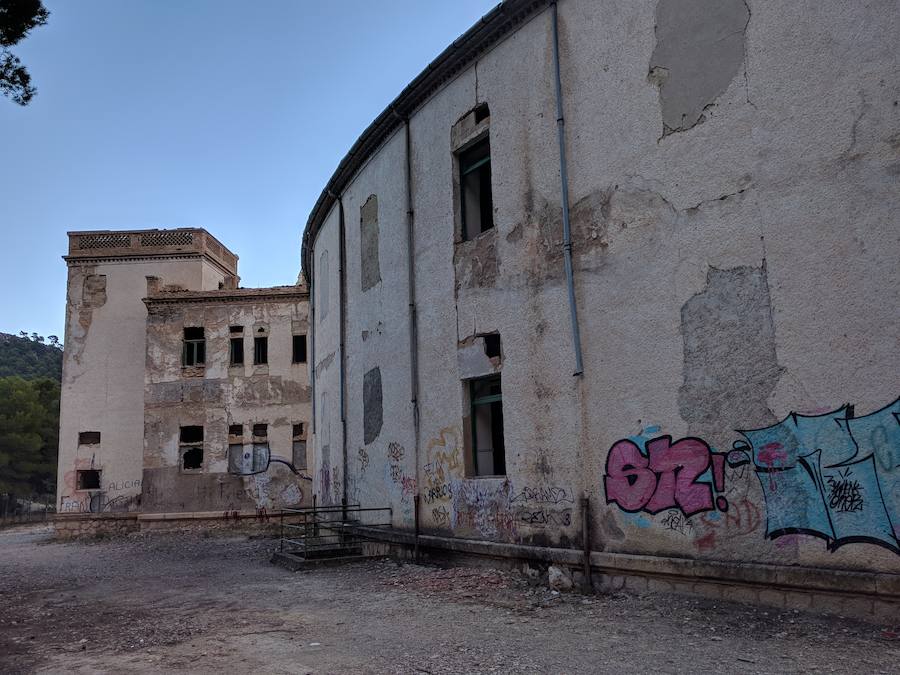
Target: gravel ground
[{"x": 168, "y": 603}]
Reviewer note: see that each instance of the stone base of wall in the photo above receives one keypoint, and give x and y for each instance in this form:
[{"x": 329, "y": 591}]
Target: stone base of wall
[
  {"x": 101, "y": 525},
  {"x": 862, "y": 595}
]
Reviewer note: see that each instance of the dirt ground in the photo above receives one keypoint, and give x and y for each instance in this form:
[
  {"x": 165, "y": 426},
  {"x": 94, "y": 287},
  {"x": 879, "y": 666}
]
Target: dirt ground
[{"x": 169, "y": 603}]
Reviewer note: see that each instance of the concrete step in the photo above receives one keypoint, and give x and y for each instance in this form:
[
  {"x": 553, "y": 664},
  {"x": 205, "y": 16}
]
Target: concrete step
[{"x": 295, "y": 563}]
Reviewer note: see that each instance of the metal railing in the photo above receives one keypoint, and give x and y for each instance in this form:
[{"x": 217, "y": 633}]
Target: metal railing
[{"x": 328, "y": 531}]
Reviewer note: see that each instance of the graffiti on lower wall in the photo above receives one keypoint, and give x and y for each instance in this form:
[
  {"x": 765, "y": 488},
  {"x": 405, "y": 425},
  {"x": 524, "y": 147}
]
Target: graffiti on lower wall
[{"x": 832, "y": 475}]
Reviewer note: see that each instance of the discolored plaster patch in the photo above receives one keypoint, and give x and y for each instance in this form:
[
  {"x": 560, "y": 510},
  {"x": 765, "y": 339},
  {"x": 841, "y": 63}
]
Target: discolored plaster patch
[
  {"x": 373, "y": 412},
  {"x": 699, "y": 50},
  {"x": 476, "y": 262},
  {"x": 93, "y": 293},
  {"x": 370, "y": 269},
  {"x": 730, "y": 364}
]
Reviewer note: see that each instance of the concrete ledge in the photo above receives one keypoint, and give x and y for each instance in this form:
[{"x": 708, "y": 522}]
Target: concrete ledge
[{"x": 780, "y": 585}]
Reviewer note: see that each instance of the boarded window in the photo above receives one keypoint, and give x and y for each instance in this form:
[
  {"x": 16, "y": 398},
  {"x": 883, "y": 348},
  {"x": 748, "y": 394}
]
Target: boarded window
[
  {"x": 194, "y": 352},
  {"x": 236, "y": 354},
  {"x": 87, "y": 479},
  {"x": 88, "y": 438},
  {"x": 260, "y": 350},
  {"x": 476, "y": 204},
  {"x": 373, "y": 412},
  {"x": 299, "y": 349},
  {"x": 370, "y": 268},
  {"x": 487, "y": 426}
]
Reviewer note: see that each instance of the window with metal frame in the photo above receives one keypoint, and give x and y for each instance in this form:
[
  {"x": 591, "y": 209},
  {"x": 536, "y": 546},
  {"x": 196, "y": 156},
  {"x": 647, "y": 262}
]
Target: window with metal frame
[
  {"x": 260, "y": 350},
  {"x": 194, "y": 351},
  {"x": 488, "y": 449},
  {"x": 476, "y": 203}
]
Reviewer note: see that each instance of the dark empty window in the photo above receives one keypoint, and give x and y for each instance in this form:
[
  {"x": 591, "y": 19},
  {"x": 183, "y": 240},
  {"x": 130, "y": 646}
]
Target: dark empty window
[
  {"x": 260, "y": 430},
  {"x": 487, "y": 426},
  {"x": 476, "y": 206},
  {"x": 237, "y": 351},
  {"x": 260, "y": 350},
  {"x": 191, "y": 434},
  {"x": 235, "y": 429},
  {"x": 235, "y": 329},
  {"x": 87, "y": 479},
  {"x": 299, "y": 355},
  {"x": 491, "y": 345},
  {"x": 192, "y": 458},
  {"x": 298, "y": 431},
  {"x": 482, "y": 112},
  {"x": 88, "y": 437},
  {"x": 194, "y": 353}
]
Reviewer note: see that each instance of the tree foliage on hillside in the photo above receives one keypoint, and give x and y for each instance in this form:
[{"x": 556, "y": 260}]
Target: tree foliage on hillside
[
  {"x": 17, "y": 19},
  {"x": 30, "y": 356},
  {"x": 29, "y": 435}
]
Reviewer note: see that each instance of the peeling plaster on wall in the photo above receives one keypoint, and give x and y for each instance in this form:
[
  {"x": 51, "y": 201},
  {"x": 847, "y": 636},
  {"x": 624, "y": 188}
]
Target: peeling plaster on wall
[
  {"x": 372, "y": 405},
  {"x": 476, "y": 261},
  {"x": 730, "y": 365},
  {"x": 699, "y": 50},
  {"x": 94, "y": 291},
  {"x": 370, "y": 268}
]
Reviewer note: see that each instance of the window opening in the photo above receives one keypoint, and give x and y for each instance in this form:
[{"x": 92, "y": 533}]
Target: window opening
[
  {"x": 235, "y": 329},
  {"x": 476, "y": 205},
  {"x": 299, "y": 355},
  {"x": 482, "y": 112},
  {"x": 194, "y": 353},
  {"x": 236, "y": 354},
  {"x": 192, "y": 434},
  {"x": 87, "y": 479},
  {"x": 88, "y": 437},
  {"x": 192, "y": 459},
  {"x": 487, "y": 426},
  {"x": 260, "y": 430},
  {"x": 491, "y": 345},
  {"x": 260, "y": 350},
  {"x": 235, "y": 429}
]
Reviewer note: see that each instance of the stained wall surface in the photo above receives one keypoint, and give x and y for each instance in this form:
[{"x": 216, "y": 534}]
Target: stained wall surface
[
  {"x": 733, "y": 173},
  {"x": 103, "y": 362},
  {"x": 220, "y": 395}
]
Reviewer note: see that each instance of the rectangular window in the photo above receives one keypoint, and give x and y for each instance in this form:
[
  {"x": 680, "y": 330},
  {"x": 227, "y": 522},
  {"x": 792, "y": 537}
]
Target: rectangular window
[
  {"x": 260, "y": 350},
  {"x": 194, "y": 353},
  {"x": 299, "y": 355},
  {"x": 299, "y": 447},
  {"x": 87, "y": 479},
  {"x": 237, "y": 351},
  {"x": 476, "y": 205},
  {"x": 235, "y": 429},
  {"x": 88, "y": 438},
  {"x": 191, "y": 441},
  {"x": 487, "y": 426},
  {"x": 191, "y": 435},
  {"x": 260, "y": 431}
]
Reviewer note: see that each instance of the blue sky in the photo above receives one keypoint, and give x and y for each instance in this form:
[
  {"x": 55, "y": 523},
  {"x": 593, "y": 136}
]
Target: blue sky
[{"x": 220, "y": 114}]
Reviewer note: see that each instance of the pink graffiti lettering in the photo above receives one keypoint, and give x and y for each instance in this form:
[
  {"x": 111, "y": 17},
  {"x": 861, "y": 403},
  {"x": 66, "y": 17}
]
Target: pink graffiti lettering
[{"x": 664, "y": 478}]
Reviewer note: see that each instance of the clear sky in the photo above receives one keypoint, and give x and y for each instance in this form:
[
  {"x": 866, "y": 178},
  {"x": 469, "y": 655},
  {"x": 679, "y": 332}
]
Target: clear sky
[{"x": 224, "y": 114}]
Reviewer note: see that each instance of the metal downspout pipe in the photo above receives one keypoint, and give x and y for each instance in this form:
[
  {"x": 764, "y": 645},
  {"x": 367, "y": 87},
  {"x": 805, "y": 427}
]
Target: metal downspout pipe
[
  {"x": 413, "y": 318},
  {"x": 564, "y": 179},
  {"x": 342, "y": 299}
]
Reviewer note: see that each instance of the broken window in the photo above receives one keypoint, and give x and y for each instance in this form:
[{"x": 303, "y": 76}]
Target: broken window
[
  {"x": 299, "y": 447},
  {"x": 237, "y": 351},
  {"x": 476, "y": 206},
  {"x": 87, "y": 479},
  {"x": 192, "y": 434},
  {"x": 88, "y": 438},
  {"x": 487, "y": 426},
  {"x": 491, "y": 345},
  {"x": 192, "y": 458},
  {"x": 194, "y": 353},
  {"x": 260, "y": 350},
  {"x": 299, "y": 355}
]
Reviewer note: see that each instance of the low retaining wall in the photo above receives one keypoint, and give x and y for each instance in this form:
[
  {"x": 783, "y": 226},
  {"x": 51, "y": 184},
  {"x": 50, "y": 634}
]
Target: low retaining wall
[
  {"x": 862, "y": 595},
  {"x": 93, "y": 525}
]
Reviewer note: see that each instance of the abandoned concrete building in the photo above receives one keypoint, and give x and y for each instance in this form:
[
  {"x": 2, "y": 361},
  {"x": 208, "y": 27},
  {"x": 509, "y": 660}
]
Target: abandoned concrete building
[
  {"x": 170, "y": 372},
  {"x": 616, "y": 281}
]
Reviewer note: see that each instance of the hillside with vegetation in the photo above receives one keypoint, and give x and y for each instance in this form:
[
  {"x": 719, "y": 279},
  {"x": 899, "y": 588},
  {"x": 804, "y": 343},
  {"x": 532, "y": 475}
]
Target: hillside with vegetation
[{"x": 30, "y": 372}]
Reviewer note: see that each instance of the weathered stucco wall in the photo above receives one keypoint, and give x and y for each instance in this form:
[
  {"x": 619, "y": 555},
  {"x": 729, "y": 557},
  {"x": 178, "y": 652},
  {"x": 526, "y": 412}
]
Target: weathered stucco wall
[
  {"x": 103, "y": 372},
  {"x": 219, "y": 395},
  {"x": 733, "y": 178}
]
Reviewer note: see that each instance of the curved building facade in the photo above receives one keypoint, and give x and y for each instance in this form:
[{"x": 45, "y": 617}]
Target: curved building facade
[{"x": 732, "y": 204}]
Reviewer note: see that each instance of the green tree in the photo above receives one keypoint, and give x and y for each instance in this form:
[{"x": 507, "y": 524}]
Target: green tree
[
  {"x": 17, "y": 19},
  {"x": 29, "y": 434}
]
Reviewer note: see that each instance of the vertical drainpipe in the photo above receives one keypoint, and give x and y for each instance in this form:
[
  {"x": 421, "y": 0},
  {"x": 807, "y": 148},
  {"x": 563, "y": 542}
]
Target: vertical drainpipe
[
  {"x": 312, "y": 344},
  {"x": 342, "y": 301},
  {"x": 564, "y": 179},
  {"x": 413, "y": 317}
]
